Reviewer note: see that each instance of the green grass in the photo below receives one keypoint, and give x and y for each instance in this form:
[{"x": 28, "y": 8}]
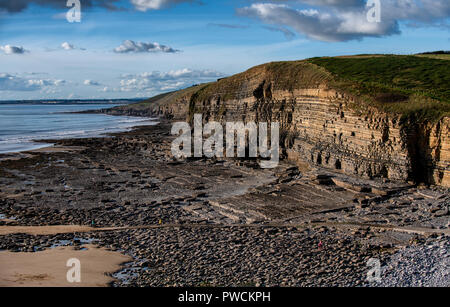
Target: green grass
[
  {"x": 442, "y": 55},
  {"x": 414, "y": 86},
  {"x": 435, "y": 56}
]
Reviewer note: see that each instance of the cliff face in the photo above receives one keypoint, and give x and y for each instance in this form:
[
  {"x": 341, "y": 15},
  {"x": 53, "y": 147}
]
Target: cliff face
[{"x": 323, "y": 126}]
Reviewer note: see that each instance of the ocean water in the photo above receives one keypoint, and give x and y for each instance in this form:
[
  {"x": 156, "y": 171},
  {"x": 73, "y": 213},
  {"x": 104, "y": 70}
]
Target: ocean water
[{"x": 20, "y": 124}]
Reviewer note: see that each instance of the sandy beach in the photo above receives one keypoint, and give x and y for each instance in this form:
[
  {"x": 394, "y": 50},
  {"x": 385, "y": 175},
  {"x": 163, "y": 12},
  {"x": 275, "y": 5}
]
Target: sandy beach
[{"x": 48, "y": 268}]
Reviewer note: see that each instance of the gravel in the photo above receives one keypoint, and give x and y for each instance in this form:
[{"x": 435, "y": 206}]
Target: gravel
[{"x": 426, "y": 265}]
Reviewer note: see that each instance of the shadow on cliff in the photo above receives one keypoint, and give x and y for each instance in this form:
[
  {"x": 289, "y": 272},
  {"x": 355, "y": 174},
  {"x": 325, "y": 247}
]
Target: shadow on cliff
[{"x": 422, "y": 155}]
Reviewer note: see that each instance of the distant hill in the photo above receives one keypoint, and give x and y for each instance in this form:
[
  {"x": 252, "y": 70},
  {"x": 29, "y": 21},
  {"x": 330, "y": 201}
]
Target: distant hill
[{"x": 436, "y": 52}]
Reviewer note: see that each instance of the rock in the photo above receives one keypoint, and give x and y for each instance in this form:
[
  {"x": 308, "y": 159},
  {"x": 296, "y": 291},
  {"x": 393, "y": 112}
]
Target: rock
[{"x": 442, "y": 212}]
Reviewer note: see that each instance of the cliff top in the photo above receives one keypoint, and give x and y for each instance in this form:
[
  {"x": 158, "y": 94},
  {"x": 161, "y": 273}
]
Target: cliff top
[{"x": 411, "y": 85}]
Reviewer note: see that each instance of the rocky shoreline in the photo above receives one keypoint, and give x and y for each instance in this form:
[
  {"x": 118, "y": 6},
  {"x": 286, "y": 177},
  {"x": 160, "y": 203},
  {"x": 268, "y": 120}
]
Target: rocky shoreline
[{"x": 204, "y": 222}]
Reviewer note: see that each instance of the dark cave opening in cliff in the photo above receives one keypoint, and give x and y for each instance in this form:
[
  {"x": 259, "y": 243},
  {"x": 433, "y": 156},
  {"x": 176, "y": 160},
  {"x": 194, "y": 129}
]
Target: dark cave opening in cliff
[{"x": 338, "y": 164}]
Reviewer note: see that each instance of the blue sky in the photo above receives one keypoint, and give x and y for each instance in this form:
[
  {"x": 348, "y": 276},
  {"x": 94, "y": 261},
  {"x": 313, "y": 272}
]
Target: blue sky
[{"x": 139, "y": 48}]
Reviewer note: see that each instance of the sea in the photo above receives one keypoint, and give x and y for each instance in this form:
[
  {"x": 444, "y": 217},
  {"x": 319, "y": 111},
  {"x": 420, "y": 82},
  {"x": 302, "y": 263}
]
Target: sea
[{"x": 21, "y": 124}]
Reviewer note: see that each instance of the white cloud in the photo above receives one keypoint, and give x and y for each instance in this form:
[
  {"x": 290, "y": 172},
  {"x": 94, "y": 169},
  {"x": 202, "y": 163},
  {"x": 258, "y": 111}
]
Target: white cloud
[
  {"x": 91, "y": 83},
  {"x": 144, "y": 5},
  {"x": 67, "y": 46},
  {"x": 10, "y": 82},
  {"x": 8, "y": 49},
  {"x": 333, "y": 20},
  {"x": 13, "y": 83},
  {"x": 59, "y": 82},
  {"x": 165, "y": 81},
  {"x": 339, "y": 3},
  {"x": 134, "y": 47},
  {"x": 177, "y": 74},
  {"x": 15, "y": 6}
]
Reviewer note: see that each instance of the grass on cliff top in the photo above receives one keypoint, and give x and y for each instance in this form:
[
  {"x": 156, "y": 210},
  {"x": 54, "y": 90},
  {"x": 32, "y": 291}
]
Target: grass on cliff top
[
  {"x": 414, "y": 86},
  {"x": 142, "y": 105},
  {"x": 435, "y": 56},
  {"x": 442, "y": 55}
]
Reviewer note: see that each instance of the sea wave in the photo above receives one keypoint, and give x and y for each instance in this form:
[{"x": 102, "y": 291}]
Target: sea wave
[{"x": 16, "y": 140}]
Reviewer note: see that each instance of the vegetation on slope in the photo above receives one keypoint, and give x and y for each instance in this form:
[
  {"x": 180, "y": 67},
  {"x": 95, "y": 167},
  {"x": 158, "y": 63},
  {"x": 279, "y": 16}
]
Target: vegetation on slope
[
  {"x": 442, "y": 55},
  {"x": 416, "y": 87},
  {"x": 161, "y": 99}
]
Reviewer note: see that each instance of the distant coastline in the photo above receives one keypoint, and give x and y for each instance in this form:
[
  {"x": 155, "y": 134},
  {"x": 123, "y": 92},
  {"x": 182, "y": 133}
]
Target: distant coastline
[{"x": 72, "y": 101}]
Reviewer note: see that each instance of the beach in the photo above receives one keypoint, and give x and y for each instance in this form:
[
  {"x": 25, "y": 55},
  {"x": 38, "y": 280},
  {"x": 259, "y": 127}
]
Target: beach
[
  {"x": 207, "y": 221},
  {"x": 49, "y": 268}
]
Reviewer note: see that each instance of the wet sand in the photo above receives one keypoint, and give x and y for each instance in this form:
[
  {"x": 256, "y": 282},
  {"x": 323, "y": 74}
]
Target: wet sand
[
  {"x": 48, "y": 268},
  {"x": 44, "y": 230}
]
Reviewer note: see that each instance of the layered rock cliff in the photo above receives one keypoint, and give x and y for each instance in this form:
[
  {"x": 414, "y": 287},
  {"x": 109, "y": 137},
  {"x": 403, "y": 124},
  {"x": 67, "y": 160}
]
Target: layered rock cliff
[{"x": 321, "y": 124}]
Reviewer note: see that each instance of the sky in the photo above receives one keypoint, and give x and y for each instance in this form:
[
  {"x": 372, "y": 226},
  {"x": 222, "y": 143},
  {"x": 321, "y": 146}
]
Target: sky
[{"x": 140, "y": 48}]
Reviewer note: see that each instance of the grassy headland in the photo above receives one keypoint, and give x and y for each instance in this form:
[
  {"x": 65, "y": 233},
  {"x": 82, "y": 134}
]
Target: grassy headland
[{"x": 414, "y": 86}]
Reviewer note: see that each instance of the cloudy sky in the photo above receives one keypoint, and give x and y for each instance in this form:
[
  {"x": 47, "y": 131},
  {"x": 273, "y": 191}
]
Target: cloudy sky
[{"x": 139, "y": 48}]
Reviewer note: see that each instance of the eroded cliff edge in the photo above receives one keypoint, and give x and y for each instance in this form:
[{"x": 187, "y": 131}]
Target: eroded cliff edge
[{"x": 323, "y": 122}]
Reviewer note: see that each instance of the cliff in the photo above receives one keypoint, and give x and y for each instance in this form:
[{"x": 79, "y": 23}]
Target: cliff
[{"x": 392, "y": 122}]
